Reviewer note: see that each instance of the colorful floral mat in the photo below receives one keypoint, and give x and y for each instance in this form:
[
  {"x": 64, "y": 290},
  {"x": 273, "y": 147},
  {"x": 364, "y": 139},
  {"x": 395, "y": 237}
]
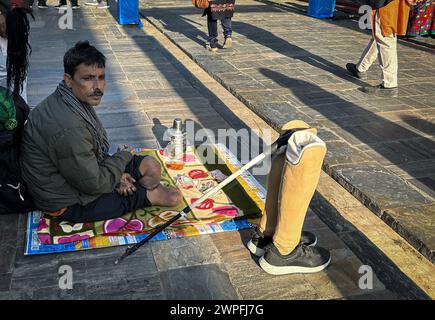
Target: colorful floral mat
[{"x": 238, "y": 206}]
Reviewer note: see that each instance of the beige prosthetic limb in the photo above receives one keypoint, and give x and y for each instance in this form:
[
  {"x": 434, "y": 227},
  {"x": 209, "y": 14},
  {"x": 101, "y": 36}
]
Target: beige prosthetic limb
[{"x": 292, "y": 181}]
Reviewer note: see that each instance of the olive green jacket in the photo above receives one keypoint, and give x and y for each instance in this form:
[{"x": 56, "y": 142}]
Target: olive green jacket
[{"x": 58, "y": 158}]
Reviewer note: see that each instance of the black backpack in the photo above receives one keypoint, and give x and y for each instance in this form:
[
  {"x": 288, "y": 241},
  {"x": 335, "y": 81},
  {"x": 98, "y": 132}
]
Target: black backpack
[{"x": 14, "y": 197}]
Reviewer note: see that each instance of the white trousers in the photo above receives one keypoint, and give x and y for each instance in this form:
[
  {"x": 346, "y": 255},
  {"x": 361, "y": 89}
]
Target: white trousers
[{"x": 385, "y": 50}]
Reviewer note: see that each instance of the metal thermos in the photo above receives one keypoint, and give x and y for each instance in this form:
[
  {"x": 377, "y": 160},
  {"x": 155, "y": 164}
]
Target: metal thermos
[{"x": 178, "y": 137}]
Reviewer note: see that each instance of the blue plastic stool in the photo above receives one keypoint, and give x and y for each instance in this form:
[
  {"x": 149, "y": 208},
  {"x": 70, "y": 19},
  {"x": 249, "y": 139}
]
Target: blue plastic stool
[
  {"x": 321, "y": 8},
  {"x": 128, "y": 12}
]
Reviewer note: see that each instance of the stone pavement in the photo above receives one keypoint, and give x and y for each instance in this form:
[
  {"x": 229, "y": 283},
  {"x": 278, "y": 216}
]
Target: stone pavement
[
  {"x": 150, "y": 81},
  {"x": 286, "y": 65}
]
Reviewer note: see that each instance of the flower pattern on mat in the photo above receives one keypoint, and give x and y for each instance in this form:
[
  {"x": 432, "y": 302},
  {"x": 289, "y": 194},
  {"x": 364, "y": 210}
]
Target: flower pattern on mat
[
  {"x": 134, "y": 225},
  {"x": 114, "y": 225},
  {"x": 44, "y": 238},
  {"x": 197, "y": 174},
  {"x": 68, "y": 228},
  {"x": 73, "y": 238}
]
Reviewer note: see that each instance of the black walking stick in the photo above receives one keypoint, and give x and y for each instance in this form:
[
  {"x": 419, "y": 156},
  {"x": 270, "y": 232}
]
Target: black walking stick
[{"x": 281, "y": 141}]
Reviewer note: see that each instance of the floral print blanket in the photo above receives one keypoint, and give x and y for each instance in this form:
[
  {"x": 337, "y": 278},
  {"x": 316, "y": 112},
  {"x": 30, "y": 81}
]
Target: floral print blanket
[{"x": 194, "y": 176}]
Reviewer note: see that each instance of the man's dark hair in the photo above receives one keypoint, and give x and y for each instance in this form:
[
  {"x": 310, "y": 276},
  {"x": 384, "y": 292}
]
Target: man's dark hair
[{"x": 82, "y": 52}]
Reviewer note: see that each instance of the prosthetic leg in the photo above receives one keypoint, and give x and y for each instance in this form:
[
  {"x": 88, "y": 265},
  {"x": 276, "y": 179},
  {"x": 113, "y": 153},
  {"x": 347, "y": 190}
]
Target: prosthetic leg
[{"x": 292, "y": 181}]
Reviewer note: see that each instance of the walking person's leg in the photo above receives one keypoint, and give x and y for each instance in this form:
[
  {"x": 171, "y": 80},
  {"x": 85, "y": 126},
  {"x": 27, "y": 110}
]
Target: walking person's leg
[
  {"x": 75, "y": 4},
  {"x": 228, "y": 31},
  {"x": 212, "y": 32},
  {"x": 387, "y": 47},
  {"x": 368, "y": 57},
  {"x": 387, "y": 56}
]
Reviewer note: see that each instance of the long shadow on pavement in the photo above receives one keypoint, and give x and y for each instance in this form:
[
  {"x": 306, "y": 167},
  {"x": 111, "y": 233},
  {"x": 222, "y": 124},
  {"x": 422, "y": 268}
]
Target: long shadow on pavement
[{"x": 369, "y": 254}]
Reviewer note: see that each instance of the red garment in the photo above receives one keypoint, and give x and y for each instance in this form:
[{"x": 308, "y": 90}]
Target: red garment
[{"x": 422, "y": 19}]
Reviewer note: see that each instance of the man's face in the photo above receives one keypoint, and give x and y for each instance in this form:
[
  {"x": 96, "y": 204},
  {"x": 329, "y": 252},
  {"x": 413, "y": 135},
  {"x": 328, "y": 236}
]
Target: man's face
[{"x": 87, "y": 84}]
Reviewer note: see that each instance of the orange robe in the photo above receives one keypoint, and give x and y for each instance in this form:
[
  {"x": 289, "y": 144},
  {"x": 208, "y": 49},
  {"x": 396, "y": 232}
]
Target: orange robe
[{"x": 394, "y": 18}]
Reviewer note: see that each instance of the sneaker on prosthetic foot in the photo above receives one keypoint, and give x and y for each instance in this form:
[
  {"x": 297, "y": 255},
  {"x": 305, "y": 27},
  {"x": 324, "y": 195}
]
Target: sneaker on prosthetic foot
[
  {"x": 259, "y": 243},
  {"x": 303, "y": 259}
]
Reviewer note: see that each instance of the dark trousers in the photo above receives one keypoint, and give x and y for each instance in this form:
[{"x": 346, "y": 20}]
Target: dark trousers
[
  {"x": 111, "y": 205},
  {"x": 212, "y": 29}
]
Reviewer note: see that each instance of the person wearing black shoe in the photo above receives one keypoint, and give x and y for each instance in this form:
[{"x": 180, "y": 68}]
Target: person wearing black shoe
[
  {"x": 388, "y": 22},
  {"x": 283, "y": 246},
  {"x": 62, "y": 4},
  {"x": 42, "y": 4}
]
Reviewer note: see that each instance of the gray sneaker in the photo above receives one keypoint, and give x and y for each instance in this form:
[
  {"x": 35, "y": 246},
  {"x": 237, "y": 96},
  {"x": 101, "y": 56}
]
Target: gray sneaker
[
  {"x": 302, "y": 259},
  {"x": 259, "y": 243}
]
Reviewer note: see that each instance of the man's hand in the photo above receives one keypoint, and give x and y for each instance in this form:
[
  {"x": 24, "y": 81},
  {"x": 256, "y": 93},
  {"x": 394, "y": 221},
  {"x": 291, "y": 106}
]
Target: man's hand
[
  {"x": 411, "y": 2},
  {"x": 126, "y": 186},
  {"x": 125, "y": 148}
]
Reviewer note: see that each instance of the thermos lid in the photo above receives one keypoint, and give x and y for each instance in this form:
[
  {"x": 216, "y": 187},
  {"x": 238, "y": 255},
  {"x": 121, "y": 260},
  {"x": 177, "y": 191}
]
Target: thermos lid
[{"x": 178, "y": 124}]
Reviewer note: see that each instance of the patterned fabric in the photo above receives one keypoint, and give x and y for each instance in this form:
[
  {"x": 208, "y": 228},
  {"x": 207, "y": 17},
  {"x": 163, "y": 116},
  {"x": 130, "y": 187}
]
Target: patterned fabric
[
  {"x": 422, "y": 19},
  {"x": 194, "y": 179},
  {"x": 222, "y": 9}
]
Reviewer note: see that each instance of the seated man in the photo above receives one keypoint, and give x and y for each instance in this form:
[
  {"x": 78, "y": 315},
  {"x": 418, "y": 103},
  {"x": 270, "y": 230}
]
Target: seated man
[{"x": 64, "y": 156}]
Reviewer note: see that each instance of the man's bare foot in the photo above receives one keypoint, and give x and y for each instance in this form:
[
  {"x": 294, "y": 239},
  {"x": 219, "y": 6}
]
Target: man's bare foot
[{"x": 165, "y": 196}]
